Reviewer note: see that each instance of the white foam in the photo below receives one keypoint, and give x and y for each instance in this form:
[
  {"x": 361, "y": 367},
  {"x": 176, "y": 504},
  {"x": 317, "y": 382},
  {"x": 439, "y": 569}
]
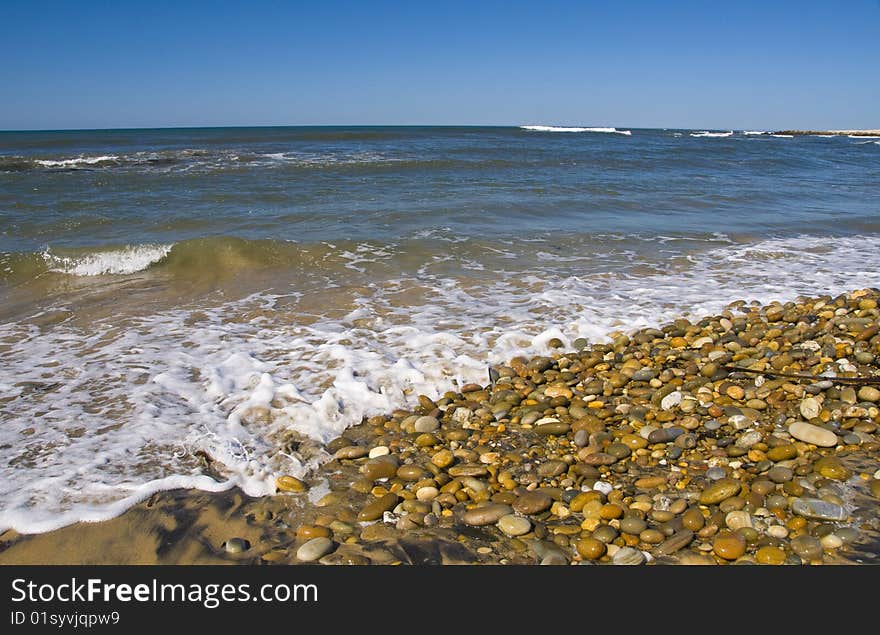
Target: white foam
[
  {"x": 706, "y": 133},
  {"x": 538, "y": 128},
  {"x": 754, "y": 132},
  {"x": 783, "y": 136},
  {"x": 117, "y": 262},
  {"x": 63, "y": 163},
  {"x": 861, "y": 136},
  {"x": 125, "y": 406}
]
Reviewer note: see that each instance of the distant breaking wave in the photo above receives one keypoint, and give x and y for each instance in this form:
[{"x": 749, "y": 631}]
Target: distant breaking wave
[
  {"x": 706, "y": 133},
  {"x": 569, "y": 129},
  {"x": 754, "y": 132}
]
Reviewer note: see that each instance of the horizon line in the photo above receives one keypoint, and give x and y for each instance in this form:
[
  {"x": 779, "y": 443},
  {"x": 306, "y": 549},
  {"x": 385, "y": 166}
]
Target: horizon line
[{"x": 243, "y": 126}]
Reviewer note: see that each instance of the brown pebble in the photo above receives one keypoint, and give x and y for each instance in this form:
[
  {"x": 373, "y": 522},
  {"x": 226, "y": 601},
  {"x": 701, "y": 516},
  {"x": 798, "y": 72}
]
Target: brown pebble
[
  {"x": 590, "y": 548},
  {"x": 729, "y": 545}
]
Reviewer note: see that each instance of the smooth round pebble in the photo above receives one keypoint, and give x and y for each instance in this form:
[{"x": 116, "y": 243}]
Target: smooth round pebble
[
  {"x": 514, "y": 525},
  {"x": 314, "y": 549}
]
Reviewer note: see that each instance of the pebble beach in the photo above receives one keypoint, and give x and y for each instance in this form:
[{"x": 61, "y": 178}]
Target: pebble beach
[{"x": 746, "y": 437}]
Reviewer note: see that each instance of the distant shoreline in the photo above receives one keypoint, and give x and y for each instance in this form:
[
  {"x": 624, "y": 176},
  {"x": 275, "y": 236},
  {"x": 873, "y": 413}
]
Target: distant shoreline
[{"x": 848, "y": 133}]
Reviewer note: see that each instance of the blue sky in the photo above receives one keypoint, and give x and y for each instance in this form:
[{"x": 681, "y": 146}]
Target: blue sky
[{"x": 745, "y": 64}]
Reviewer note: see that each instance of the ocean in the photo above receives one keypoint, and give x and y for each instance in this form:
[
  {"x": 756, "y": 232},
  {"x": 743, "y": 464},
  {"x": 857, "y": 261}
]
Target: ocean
[{"x": 244, "y": 295}]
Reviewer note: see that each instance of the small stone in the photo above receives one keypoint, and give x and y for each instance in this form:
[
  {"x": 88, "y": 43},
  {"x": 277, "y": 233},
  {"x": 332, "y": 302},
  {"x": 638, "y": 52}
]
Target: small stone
[
  {"x": 375, "y": 509},
  {"x": 777, "y": 531},
  {"x": 808, "y": 433},
  {"x": 552, "y": 468},
  {"x": 513, "y": 525},
  {"x": 779, "y": 474},
  {"x": 426, "y": 424},
  {"x": 627, "y": 556},
  {"x": 831, "y": 542},
  {"x": 807, "y": 547},
  {"x": 720, "y": 490},
  {"x": 351, "y": 452},
  {"x": 307, "y": 532},
  {"x": 443, "y": 458},
  {"x": 533, "y": 502},
  {"x": 236, "y": 545},
  {"x": 737, "y": 520},
  {"x": 728, "y": 545},
  {"x": 288, "y": 483},
  {"x": 556, "y": 428},
  {"x": 632, "y": 525},
  {"x": 832, "y": 468},
  {"x": 427, "y": 493},
  {"x": 818, "y": 509},
  {"x": 671, "y": 400},
  {"x": 590, "y": 548},
  {"x": 675, "y": 542},
  {"x": 810, "y": 408},
  {"x": 770, "y": 555},
  {"x": 650, "y": 482},
  {"x": 692, "y": 519},
  {"x": 473, "y": 469},
  {"x": 869, "y": 393},
  {"x": 735, "y": 392},
  {"x": 782, "y": 453},
  {"x": 314, "y": 549},
  {"x": 485, "y": 514},
  {"x": 379, "y": 450}
]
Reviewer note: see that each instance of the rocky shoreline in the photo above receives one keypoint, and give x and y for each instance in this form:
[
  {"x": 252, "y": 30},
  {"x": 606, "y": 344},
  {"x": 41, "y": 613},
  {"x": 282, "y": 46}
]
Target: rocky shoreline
[{"x": 746, "y": 437}]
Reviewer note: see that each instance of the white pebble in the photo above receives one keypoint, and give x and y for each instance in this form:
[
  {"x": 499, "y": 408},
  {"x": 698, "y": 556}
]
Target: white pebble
[
  {"x": 602, "y": 486},
  {"x": 777, "y": 531},
  {"x": 379, "y": 450},
  {"x": 831, "y": 542},
  {"x": 426, "y": 494}
]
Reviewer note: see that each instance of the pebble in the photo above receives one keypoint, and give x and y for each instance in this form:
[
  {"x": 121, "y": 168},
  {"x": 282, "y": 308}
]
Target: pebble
[
  {"x": 533, "y": 502},
  {"x": 770, "y": 555},
  {"x": 237, "y": 545},
  {"x": 513, "y": 525},
  {"x": 351, "y": 452},
  {"x": 675, "y": 542},
  {"x": 443, "y": 458},
  {"x": 627, "y": 556},
  {"x": 869, "y": 393},
  {"x": 728, "y": 545},
  {"x": 426, "y": 424},
  {"x": 314, "y": 549},
  {"x": 810, "y": 408},
  {"x": 671, "y": 400},
  {"x": 427, "y": 493},
  {"x": 808, "y": 433},
  {"x": 379, "y": 450},
  {"x": 737, "y": 520},
  {"x": 590, "y": 548},
  {"x": 375, "y": 509},
  {"x": 818, "y": 509},
  {"x": 807, "y": 547},
  {"x": 782, "y": 453},
  {"x": 720, "y": 490},
  {"x": 831, "y": 541},
  {"x": 288, "y": 483},
  {"x": 485, "y": 514},
  {"x": 632, "y": 525},
  {"x": 692, "y": 519},
  {"x": 832, "y": 468},
  {"x": 779, "y": 474}
]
